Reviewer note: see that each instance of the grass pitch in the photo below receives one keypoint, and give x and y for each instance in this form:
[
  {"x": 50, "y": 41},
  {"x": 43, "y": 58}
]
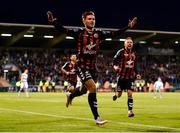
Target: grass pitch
[{"x": 46, "y": 112}]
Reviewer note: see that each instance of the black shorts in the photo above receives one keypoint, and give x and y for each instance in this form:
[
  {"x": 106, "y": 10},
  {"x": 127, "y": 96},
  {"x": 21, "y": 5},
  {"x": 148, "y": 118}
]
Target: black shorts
[
  {"x": 85, "y": 74},
  {"x": 124, "y": 84},
  {"x": 72, "y": 83}
]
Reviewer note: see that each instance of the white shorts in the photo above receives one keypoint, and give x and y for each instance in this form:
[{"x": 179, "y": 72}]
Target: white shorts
[{"x": 24, "y": 85}]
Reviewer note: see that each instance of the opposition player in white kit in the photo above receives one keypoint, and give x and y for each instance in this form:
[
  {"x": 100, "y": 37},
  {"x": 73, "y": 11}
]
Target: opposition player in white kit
[
  {"x": 24, "y": 83},
  {"x": 158, "y": 87}
]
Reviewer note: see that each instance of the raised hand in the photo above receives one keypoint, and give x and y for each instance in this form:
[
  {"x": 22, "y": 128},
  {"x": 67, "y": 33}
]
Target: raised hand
[
  {"x": 116, "y": 68},
  {"x": 132, "y": 22},
  {"x": 50, "y": 16}
]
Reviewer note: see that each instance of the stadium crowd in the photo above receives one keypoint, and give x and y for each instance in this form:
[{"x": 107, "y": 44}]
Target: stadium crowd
[{"x": 45, "y": 65}]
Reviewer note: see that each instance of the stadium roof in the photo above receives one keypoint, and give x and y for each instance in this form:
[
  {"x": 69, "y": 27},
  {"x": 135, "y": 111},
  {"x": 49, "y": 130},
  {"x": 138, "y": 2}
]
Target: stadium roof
[{"x": 33, "y": 35}]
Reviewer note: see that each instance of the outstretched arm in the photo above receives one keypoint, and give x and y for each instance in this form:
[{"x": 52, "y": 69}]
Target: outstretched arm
[
  {"x": 117, "y": 33},
  {"x": 50, "y": 16},
  {"x": 54, "y": 21},
  {"x": 131, "y": 24}
]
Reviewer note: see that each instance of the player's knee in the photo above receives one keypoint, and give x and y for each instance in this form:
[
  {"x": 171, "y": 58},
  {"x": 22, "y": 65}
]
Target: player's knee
[
  {"x": 130, "y": 93},
  {"x": 119, "y": 94},
  {"x": 92, "y": 88},
  {"x": 70, "y": 88},
  {"x": 84, "y": 90}
]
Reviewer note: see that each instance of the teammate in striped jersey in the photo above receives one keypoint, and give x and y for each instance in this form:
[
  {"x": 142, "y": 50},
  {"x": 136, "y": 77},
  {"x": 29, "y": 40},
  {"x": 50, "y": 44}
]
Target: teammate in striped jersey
[
  {"x": 124, "y": 64},
  {"x": 69, "y": 69}
]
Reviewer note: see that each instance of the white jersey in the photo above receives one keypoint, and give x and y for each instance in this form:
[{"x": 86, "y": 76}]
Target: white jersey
[
  {"x": 24, "y": 83},
  {"x": 158, "y": 85},
  {"x": 24, "y": 77}
]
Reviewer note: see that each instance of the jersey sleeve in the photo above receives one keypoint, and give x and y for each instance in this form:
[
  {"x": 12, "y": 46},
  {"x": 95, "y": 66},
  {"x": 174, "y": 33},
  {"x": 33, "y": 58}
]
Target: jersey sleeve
[
  {"x": 70, "y": 32},
  {"x": 65, "y": 65},
  {"x": 113, "y": 34},
  {"x": 116, "y": 58}
]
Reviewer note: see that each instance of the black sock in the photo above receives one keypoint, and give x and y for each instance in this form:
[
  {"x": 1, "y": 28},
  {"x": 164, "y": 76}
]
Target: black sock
[
  {"x": 130, "y": 103},
  {"x": 93, "y": 104},
  {"x": 76, "y": 93}
]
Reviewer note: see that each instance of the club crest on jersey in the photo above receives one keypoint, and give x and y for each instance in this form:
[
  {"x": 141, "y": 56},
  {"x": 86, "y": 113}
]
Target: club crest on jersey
[
  {"x": 73, "y": 71},
  {"x": 130, "y": 64},
  {"x": 89, "y": 47}
]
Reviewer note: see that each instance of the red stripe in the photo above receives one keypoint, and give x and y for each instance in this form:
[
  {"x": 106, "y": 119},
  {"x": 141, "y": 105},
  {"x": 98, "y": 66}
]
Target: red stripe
[
  {"x": 91, "y": 40},
  {"x": 79, "y": 43},
  {"x": 84, "y": 40},
  {"x": 97, "y": 43}
]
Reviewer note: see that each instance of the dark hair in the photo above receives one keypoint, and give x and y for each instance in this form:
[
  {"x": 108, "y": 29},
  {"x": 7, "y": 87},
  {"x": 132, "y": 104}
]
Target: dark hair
[
  {"x": 73, "y": 53},
  {"x": 129, "y": 38},
  {"x": 85, "y": 14}
]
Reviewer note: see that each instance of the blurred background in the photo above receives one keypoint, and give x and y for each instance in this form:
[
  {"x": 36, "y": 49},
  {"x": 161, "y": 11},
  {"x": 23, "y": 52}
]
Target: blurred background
[{"x": 154, "y": 15}]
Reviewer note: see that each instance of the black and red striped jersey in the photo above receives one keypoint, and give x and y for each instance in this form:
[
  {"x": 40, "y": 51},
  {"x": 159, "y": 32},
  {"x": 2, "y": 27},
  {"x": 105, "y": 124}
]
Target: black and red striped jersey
[
  {"x": 126, "y": 60},
  {"x": 71, "y": 68},
  {"x": 88, "y": 44}
]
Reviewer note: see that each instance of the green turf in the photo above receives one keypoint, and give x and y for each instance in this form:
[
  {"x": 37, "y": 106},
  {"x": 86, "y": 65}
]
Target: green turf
[{"x": 46, "y": 112}]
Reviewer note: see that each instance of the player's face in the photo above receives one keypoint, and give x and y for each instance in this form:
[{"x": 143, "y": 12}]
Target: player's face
[
  {"x": 89, "y": 21},
  {"x": 26, "y": 71},
  {"x": 73, "y": 58},
  {"x": 128, "y": 44}
]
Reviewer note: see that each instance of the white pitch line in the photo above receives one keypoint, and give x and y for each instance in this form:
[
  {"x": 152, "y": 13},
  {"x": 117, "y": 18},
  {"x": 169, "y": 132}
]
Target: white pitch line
[
  {"x": 44, "y": 114},
  {"x": 34, "y": 100},
  {"x": 88, "y": 119},
  {"x": 148, "y": 126}
]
